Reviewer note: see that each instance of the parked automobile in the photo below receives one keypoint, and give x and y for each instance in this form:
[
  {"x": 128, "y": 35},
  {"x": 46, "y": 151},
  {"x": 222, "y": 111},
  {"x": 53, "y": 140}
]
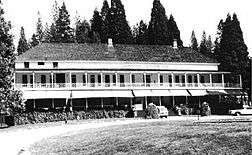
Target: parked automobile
[
  {"x": 162, "y": 111},
  {"x": 238, "y": 112}
]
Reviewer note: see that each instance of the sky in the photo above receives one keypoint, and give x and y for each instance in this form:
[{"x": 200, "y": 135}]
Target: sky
[{"x": 197, "y": 15}]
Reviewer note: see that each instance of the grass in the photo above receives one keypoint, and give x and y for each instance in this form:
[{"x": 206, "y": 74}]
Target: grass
[{"x": 166, "y": 137}]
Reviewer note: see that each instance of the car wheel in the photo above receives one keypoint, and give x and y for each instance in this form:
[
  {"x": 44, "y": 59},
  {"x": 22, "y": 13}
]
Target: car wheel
[{"x": 237, "y": 114}]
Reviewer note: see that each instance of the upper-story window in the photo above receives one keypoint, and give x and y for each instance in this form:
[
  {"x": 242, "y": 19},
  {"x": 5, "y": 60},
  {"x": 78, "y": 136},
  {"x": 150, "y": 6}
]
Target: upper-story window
[
  {"x": 133, "y": 78},
  {"x": 202, "y": 79},
  {"x": 170, "y": 78},
  {"x": 55, "y": 64},
  {"x": 189, "y": 79},
  {"x": 177, "y": 79},
  {"x": 41, "y": 63},
  {"x": 73, "y": 78},
  {"x": 26, "y": 64},
  {"x": 161, "y": 78}
]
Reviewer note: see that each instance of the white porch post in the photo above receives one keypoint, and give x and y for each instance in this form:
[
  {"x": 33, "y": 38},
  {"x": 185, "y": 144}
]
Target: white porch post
[
  {"x": 240, "y": 81},
  {"x": 158, "y": 79},
  {"x": 146, "y": 102},
  {"x": 34, "y": 103},
  {"x": 116, "y": 74},
  {"x": 222, "y": 79},
  {"x": 117, "y": 101},
  {"x": 172, "y": 79},
  {"x": 211, "y": 80},
  {"x": 101, "y": 74},
  {"x": 52, "y": 79},
  {"x": 185, "y": 79},
  {"x": 160, "y": 101},
  {"x": 198, "y": 80},
  {"x": 86, "y": 77},
  {"x": 144, "y": 79},
  {"x": 33, "y": 79},
  {"x": 102, "y": 102},
  {"x": 86, "y": 103},
  {"x": 173, "y": 101},
  {"x": 52, "y": 103},
  {"x": 130, "y": 79},
  {"x": 70, "y": 79}
]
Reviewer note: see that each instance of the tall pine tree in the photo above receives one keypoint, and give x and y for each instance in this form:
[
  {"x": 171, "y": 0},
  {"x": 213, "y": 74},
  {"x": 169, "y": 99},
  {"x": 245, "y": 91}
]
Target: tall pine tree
[
  {"x": 173, "y": 32},
  {"x": 203, "y": 44},
  {"x": 82, "y": 32},
  {"x": 96, "y": 26},
  {"x": 194, "y": 42},
  {"x": 38, "y": 37},
  {"x": 11, "y": 100},
  {"x": 233, "y": 53},
  {"x": 120, "y": 31},
  {"x": 140, "y": 33},
  {"x": 64, "y": 33},
  {"x": 105, "y": 22},
  {"x": 23, "y": 45},
  {"x": 158, "y": 33}
]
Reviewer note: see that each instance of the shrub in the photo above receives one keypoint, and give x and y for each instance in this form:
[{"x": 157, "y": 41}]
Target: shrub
[
  {"x": 151, "y": 112},
  {"x": 205, "y": 109},
  {"x": 43, "y": 117}
]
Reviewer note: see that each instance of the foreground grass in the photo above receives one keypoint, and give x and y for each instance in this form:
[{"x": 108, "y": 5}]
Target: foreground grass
[{"x": 166, "y": 137}]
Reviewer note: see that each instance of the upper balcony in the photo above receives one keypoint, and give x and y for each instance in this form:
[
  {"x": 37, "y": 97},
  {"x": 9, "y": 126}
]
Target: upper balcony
[{"x": 123, "y": 80}]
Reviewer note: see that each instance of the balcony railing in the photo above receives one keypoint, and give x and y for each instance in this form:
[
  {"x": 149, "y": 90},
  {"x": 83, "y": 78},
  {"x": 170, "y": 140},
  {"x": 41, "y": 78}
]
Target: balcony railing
[{"x": 126, "y": 85}]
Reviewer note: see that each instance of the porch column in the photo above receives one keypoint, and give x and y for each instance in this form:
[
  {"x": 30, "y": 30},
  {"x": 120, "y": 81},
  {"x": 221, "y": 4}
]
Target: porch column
[
  {"x": 52, "y": 79},
  {"x": 144, "y": 79},
  {"x": 116, "y": 74},
  {"x": 158, "y": 79},
  {"x": 86, "y": 77},
  {"x": 52, "y": 103},
  {"x": 131, "y": 102},
  {"x": 222, "y": 79},
  {"x": 117, "y": 101},
  {"x": 102, "y": 102},
  {"x": 70, "y": 79},
  {"x": 198, "y": 80},
  {"x": 211, "y": 80},
  {"x": 34, "y": 104},
  {"x": 33, "y": 79},
  {"x": 101, "y": 74},
  {"x": 130, "y": 79},
  {"x": 240, "y": 81},
  {"x": 160, "y": 101},
  {"x": 172, "y": 79},
  {"x": 146, "y": 102},
  {"x": 173, "y": 101},
  {"x": 186, "y": 97},
  {"x": 86, "y": 103},
  {"x": 185, "y": 79}
]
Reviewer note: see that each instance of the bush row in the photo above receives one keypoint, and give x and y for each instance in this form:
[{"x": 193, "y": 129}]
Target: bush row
[{"x": 43, "y": 117}]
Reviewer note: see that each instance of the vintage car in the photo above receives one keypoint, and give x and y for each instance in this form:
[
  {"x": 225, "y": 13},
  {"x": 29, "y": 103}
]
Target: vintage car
[
  {"x": 162, "y": 111},
  {"x": 238, "y": 112}
]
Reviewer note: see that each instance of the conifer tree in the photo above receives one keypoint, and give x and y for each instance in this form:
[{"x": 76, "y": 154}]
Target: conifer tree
[
  {"x": 173, "y": 32},
  {"x": 64, "y": 33},
  {"x": 120, "y": 31},
  {"x": 203, "y": 46},
  {"x": 232, "y": 53},
  {"x": 23, "y": 45},
  {"x": 105, "y": 22},
  {"x": 34, "y": 41},
  {"x": 140, "y": 33},
  {"x": 46, "y": 34},
  {"x": 96, "y": 26},
  {"x": 82, "y": 32},
  {"x": 39, "y": 28},
  {"x": 158, "y": 27},
  {"x": 209, "y": 44},
  {"x": 11, "y": 100},
  {"x": 194, "y": 43}
]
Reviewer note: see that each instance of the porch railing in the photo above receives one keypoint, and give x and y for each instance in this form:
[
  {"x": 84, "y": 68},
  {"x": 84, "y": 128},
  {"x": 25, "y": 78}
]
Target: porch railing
[{"x": 128, "y": 85}]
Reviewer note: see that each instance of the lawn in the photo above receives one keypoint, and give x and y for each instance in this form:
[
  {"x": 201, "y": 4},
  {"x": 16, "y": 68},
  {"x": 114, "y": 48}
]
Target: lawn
[{"x": 165, "y": 137}]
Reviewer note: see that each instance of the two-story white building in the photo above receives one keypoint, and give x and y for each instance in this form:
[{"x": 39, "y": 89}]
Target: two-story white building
[{"x": 95, "y": 76}]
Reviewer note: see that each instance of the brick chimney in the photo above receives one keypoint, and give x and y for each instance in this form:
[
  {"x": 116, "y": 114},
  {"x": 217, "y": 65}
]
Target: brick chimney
[
  {"x": 110, "y": 42},
  {"x": 175, "y": 44}
]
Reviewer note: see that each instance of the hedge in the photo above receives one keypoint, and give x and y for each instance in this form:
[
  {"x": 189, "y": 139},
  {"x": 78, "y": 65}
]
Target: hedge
[{"x": 43, "y": 117}]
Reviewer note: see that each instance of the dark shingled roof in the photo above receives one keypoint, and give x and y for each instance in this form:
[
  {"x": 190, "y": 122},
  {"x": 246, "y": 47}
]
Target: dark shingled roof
[{"x": 101, "y": 52}]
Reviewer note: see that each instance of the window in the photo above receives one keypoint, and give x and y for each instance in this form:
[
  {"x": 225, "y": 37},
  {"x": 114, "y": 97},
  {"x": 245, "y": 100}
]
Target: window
[
  {"x": 183, "y": 78},
  {"x": 189, "y": 79},
  {"x": 161, "y": 78},
  {"x": 107, "y": 79},
  {"x": 92, "y": 78},
  {"x": 177, "y": 79},
  {"x": 195, "y": 79},
  {"x": 133, "y": 78},
  {"x": 26, "y": 64},
  {"x": 31, "y": 79},
  {"x": 202, "y": 79},
  {"x": 73, "y": 77},
  {"x": 24, "y": 79},
  {"x": 43, "y": 79},
  {"x": 41, "y": 63},
  {"x": 84, "y": 79},
  {"x": 114, "y": 78},
  {"x": 99, "y": 78},
  {"x": 55, "y": 64},
  {"x": 170, "y": 78}
]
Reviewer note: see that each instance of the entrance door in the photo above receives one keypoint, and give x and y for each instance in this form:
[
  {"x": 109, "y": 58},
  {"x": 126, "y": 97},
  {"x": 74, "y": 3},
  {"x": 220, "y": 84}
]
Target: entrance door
[
  {"x": 43, "y": 80},
  {"x": 60, "y": 79},
  {"x": 107, "y": 80},
  {"x": 122, "y": 80}
]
